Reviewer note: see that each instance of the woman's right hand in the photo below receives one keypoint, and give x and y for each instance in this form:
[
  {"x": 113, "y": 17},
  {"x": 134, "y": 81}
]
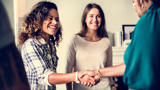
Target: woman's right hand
[{"x": 88, "y": 77}]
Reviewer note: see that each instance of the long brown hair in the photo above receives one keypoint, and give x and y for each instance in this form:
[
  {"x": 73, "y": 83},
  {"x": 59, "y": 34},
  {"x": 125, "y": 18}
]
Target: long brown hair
[
  {"x": 31, "y": 27},
  {"x": 101, "y": 32}
]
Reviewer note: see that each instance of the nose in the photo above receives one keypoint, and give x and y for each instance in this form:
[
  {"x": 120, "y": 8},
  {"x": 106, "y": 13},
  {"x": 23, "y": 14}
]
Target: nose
[
  {"x": 54, "y": 21},
  {"x": 94, "y": 18},
  {"x": 134, "y": 4}
]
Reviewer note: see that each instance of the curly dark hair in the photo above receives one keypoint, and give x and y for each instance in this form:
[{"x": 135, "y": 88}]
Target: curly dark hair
[
  {"x": 157, "y": 2},
  {"x": 31, "y": 27},
  {"x": 101, "y": 32}
]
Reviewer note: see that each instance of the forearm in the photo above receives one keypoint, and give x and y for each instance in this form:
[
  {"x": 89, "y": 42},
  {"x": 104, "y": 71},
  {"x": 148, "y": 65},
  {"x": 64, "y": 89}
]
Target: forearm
[
  {"x": 113, "y": 71},
  {"x": 58, "y": 78}
]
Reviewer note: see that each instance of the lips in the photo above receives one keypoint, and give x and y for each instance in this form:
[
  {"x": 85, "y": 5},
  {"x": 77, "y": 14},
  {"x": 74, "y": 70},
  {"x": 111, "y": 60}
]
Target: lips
[
  {"x": 95, "y": 24},
  {"x": 52, "y": 28}
]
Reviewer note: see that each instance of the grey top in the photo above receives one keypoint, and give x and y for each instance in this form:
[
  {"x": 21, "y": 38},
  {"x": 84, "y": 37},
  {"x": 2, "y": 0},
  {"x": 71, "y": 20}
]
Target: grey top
[{"x": 86, "y": 55}]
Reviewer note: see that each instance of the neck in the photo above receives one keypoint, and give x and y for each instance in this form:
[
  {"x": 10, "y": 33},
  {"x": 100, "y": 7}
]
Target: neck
[
  {"x": 46, "y": 37},
  {"x": 91, "y": 34}
]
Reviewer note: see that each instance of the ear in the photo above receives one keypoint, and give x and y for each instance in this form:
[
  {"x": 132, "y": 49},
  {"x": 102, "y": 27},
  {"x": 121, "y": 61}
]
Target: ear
[
  {"x": 142, "y": 2},
  {"x": 146, "y": 5}
]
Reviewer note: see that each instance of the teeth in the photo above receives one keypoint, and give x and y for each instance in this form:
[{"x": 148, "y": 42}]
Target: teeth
[
  {"x": 94, "y": 23},
  {"x": 52, "y": 27}
]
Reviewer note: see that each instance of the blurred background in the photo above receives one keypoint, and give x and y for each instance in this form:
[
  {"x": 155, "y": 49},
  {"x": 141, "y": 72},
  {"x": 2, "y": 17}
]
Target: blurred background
[{"x": 117, "y": 13}]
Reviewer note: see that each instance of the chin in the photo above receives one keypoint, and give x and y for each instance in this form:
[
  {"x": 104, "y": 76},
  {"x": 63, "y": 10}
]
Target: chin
[
  {"x": 52, "y": 33},
  {"x": 95, "y": 28},
  {"x": 139, "y": 16}
]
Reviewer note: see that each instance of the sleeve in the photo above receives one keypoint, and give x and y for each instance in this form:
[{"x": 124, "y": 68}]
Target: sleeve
[
  {"x": 35, "y": 63},
  {"x": 109, "y": 56},
  {"x": 109, "y": 62},
  {"x": 142, "y": 57},
  {"x": 71, "y": 56}
]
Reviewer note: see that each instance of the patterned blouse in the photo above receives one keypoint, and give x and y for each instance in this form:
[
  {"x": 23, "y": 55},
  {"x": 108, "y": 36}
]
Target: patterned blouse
[{"x": 39, "y": 63}]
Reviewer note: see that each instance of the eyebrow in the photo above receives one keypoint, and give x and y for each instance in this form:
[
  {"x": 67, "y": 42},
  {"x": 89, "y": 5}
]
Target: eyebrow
[
  {"x": 93, "y": 14},
  {"x": 52, "y": 16}
]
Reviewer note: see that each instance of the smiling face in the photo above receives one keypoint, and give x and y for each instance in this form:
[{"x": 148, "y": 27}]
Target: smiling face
[
  {"x": 51, "y": 24},
  {"x": 93, "y": 19}
]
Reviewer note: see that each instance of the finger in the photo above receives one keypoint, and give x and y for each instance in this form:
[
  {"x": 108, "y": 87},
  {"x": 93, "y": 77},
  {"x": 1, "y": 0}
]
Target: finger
[
  {"x": 84, "y": 79},
  {"x": 92, "y": 80},
  {"x": 91, "y": 73},
  {"x": 81, "y": 74},
  {"x": 97, "y": 77},
  {"x": 88, "y": 84},
  {"x": 85, "y": 83}
]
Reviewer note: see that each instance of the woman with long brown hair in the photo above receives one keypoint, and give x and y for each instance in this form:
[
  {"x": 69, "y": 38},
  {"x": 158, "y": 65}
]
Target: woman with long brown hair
[{"x": 90, "y": 49}]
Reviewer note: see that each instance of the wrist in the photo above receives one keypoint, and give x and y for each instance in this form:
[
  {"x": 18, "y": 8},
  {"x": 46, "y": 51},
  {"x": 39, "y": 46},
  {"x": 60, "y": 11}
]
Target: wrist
[
  {"x": 76, "y": 78},
  {"x": 99, "y": 73}
]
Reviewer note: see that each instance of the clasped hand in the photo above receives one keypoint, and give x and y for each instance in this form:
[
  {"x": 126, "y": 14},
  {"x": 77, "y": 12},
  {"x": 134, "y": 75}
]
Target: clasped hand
[{"x": 89, "y": 77}]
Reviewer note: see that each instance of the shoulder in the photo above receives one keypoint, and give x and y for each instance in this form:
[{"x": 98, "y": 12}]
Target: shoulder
[
  {"x": 73, "y": 38},
  {"x": 30, "y": 43},
  {"x": 106, "y": 40},
  {"x": 147, "y": 21},
  {"x": 149, "y": 17}
]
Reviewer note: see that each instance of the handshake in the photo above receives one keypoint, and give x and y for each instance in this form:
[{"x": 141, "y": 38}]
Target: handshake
[{"x": 89, "y": 77}]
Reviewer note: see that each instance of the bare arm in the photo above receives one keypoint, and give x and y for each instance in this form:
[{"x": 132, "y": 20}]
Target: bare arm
[
  {"x": 113, "y": 71},
  {"x": 58, "y": 78},
  {"x": 106, "y": 72}
]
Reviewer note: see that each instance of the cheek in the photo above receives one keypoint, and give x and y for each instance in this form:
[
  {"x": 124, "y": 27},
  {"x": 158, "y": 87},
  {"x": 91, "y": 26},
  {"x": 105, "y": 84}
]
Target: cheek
[
  {"x": 100, "y": 20},
  {"x": 44, "y": 23},
  {"x": 88, "y": 20},
  {"x": 59, "y": 24}
]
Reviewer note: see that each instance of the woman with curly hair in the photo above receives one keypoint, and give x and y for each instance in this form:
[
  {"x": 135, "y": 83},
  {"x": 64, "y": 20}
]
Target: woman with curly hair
[{"x": 39, "y": 34}]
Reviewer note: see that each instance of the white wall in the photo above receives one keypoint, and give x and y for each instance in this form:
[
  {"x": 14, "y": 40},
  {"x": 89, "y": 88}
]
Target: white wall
[{"x": 117, "y": 13}]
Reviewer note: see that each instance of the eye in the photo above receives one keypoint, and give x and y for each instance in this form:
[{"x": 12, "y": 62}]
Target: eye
[
  {"x": 91, "y": 16},
  {"x": 99, "y": 16},
  {"x": 57, "y": 19},
  {"x": 50, "y": 18},
  {"x": 133, "y": 1}
]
